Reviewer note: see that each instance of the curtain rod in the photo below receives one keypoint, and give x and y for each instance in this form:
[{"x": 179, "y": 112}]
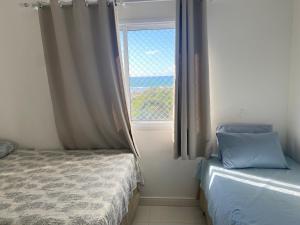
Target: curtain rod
[
  {"x": 41, "y": 4},
  {"x": 61, "y": 3}
]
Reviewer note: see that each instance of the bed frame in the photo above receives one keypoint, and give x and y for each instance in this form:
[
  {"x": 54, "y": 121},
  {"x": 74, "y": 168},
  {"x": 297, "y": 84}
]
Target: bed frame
[
  {"x": 133, "y": 205},
  {"x": 203, "y": 206}
]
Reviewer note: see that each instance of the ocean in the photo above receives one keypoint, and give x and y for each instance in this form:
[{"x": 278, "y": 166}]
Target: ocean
[{"x": 143, "y": 82}]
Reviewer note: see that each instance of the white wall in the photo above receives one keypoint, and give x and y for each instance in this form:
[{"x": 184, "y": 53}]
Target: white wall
[
  {"x": 25, "y": 111},
  {"x": 249, "y": 46},
  {"x": 154, "y": 11},
  {"x": 249, "y": 54},
  {"x": 294, "y": 103}
]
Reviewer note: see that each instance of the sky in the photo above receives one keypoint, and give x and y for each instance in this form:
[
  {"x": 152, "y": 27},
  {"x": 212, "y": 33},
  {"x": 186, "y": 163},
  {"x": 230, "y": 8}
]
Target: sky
[{"x": 151, "y": 52}]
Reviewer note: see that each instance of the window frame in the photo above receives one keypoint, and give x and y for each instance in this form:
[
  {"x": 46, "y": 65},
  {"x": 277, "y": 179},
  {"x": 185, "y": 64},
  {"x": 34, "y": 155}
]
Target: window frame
[{"x": 133, "y": 26}]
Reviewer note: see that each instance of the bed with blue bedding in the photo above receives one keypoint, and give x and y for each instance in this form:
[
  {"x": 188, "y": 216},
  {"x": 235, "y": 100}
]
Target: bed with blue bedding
[{"x": 250, "y": 196}]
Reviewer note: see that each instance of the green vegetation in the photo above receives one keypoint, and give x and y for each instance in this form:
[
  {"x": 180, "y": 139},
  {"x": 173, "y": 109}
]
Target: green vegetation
[{"x": 152, "y": 104}]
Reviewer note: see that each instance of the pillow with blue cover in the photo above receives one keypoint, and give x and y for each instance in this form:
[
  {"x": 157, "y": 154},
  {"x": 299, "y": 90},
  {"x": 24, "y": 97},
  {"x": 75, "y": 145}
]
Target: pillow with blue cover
[
  {"x": 6, "y": 147},
  {"x": 256, "y": 150},
  {"x": 243, "y": 128}
]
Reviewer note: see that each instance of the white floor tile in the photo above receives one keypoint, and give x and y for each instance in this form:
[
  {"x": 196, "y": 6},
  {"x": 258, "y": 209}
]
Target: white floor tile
[
  {"x": 164, "y": 215},
  {"x": 176, "y": 224},
  {"x": 182, "y": 215},
  {"x": 142, "y": 215}
]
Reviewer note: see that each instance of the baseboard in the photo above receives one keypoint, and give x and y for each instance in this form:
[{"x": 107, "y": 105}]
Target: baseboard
[{"x": 169, "y": 201}]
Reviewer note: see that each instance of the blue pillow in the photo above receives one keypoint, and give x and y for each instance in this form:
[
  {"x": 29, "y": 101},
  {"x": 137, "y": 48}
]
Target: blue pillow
[
  {"x": 244, "y": 150},
  {"x": 245, "y": 128}
]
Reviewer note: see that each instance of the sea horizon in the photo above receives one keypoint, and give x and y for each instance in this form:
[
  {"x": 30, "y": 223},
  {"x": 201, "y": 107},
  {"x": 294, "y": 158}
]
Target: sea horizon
[{"x": 138, "y": 82}]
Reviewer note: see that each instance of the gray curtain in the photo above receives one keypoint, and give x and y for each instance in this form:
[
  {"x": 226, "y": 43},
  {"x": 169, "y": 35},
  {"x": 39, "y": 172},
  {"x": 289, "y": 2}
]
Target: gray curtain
[
  {"x": 192, "y": 105},
  {"x": 85, "y": 78}
]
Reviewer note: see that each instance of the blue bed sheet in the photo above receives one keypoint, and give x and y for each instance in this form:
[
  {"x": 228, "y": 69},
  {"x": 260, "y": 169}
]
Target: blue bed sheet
[{"x": 251, "y": 196}]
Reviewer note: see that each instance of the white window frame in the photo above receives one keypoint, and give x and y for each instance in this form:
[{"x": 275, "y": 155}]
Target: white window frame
[{"x": 145, "y": 25}]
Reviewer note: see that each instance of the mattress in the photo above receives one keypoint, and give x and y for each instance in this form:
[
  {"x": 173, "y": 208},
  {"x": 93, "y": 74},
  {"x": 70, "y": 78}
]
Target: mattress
[
  {"x": 251, "y": 196},
  {"x": 55, "y": 187}
]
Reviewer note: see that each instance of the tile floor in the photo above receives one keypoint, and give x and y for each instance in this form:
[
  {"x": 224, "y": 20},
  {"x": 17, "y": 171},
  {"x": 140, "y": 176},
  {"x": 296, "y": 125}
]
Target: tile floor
[{"x": 165, "y": 215}]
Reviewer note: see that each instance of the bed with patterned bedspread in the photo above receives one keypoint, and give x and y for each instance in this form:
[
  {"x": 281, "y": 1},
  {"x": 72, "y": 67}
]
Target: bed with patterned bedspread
[{"x": 56, "y": 187}]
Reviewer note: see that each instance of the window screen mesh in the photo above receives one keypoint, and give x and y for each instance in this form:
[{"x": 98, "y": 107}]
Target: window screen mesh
[{"x": 151, "y": 56}]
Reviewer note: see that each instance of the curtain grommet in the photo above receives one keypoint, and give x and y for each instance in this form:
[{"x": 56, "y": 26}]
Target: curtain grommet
[
  {"x": 91, "y": 2},
  {"x": 63, "y": 3}
]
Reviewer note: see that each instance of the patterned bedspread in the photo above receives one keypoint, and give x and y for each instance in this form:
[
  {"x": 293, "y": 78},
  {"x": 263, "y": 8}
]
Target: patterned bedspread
[{"x": 56, "y": 187}]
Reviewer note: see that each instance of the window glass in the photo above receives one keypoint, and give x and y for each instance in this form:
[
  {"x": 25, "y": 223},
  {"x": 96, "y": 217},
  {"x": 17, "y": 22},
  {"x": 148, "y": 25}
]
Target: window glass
[{"x": 151, "y": 56}]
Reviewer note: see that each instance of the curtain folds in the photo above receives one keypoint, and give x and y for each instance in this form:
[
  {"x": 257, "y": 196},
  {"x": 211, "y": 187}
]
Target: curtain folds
[
  {"x": 192, "y": 105},
  {"x": 85, "y": 77}
]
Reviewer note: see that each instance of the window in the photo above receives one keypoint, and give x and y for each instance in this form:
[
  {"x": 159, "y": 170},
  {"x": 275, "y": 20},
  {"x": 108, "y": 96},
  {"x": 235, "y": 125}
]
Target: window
[{"x": 149, "y": 61}]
